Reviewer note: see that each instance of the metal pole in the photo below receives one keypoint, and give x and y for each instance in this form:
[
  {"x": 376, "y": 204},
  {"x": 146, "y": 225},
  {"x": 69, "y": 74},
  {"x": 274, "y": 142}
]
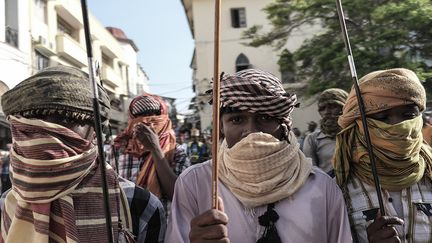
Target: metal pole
[
  {"x": 360, "y": 104},
  {"x": 98, "y": 127}
]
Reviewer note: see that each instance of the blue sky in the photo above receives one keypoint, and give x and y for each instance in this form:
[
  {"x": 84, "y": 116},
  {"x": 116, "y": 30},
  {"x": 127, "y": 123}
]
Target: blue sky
[{"x": 160, "y": 30}]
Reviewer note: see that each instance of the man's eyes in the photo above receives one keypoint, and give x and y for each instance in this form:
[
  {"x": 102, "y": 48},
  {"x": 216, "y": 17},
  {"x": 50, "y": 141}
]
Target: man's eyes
[
  {"x": 236, "y": 119},
  {"x": 265, "y": 117},
  {"x": 411, "y": 115}
]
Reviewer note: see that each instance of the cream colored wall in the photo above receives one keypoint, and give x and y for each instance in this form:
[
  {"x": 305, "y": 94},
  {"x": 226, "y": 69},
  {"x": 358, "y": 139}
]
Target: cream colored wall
[
  {"x": 15, "y": 63},
  {"x": 70, "y": 10},
  {"x": 263, "y": 57},
  {"x": 231, "y": 46}
]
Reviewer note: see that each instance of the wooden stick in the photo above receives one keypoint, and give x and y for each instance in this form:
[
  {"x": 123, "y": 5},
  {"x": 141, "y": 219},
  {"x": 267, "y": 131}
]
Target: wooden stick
[{"x": 216, "y": 112}]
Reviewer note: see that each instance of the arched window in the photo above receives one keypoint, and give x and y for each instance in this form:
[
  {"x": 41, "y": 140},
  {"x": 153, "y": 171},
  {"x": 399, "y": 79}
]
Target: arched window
[{"x": 242, "y": 62}]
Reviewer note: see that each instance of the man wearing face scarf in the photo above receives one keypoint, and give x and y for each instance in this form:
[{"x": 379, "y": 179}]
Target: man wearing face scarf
[
  {"x": 147, "y": 150},
  {"x": 269, "y": 190},
  {"x": 394, "y": 100},
  {"x": 56, "y": 193},
  {"x": 320, "y": 144}
]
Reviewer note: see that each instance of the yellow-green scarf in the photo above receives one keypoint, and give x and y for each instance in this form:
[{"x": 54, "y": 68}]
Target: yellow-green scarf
[{"x": 401, "y": 157}]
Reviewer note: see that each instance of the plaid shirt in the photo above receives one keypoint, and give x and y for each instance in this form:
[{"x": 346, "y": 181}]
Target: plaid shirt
[
  {"x": 416, "y": 204},
  {"x": 148, "y": 215},
  {"x": 129, "y": 166}
]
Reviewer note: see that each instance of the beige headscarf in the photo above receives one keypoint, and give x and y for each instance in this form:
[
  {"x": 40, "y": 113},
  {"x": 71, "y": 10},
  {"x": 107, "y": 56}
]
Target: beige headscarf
[
  {"x": 383, "y": 90},
  {"x": 260, "y": 169},
  {"x": 402, "y": 159}
]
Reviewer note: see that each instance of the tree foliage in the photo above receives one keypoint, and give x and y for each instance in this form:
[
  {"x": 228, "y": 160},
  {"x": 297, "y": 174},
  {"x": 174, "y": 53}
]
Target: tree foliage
[{"x": 383, "y": 33}]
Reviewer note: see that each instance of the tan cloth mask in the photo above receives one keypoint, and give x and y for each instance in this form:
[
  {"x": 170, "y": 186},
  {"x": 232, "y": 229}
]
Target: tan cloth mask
[{"x": 260, "y": 169}]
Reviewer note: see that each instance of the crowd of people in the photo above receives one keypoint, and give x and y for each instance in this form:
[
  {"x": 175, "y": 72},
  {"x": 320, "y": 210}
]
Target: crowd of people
[{"x": 275, "y": 184}]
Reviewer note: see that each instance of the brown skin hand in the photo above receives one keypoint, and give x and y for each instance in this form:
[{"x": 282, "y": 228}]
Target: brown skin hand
[
  {"x": 210, "y": 226},
  {"x": 150, "y": 141},
  {"x": 382, "y": 231}
]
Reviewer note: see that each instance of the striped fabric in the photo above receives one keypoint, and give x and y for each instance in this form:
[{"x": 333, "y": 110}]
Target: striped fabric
[
  {"x": 360, "y": 197},
  {"x": 56, "y": 191},
  {"x": 145, "y": 105},
  {"x": 257, "y": 91}
]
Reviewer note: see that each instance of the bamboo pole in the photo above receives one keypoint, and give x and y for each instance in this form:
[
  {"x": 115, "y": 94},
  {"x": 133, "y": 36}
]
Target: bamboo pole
[{"x": 216, "y": 111}]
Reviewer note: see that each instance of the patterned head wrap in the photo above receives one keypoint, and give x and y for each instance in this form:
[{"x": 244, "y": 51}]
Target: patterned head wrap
[
  {"x": 257, "y": 91},
  {"x": 383, "y": 90},
  {"x": 146, "y": 105},
  {"x": 60, "y": 90},
  {"x": 333, "y": 96}
]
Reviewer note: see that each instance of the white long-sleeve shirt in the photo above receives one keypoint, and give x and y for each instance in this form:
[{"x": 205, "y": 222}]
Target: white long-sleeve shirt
[{"x": 315, "y": 213}]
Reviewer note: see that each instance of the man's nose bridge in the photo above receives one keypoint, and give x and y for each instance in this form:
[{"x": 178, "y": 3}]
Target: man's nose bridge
[
  {"x": 251, "y": 126},
  {"x": 393, "y": 119}
]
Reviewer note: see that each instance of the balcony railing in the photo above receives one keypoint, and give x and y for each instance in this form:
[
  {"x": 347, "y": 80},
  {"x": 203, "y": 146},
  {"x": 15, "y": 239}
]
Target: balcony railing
[{"x": 12, "y": 36}]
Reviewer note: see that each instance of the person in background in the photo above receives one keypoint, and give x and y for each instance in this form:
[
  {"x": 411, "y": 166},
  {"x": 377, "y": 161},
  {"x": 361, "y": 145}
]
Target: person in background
[
  {"x": 320, "y": 144},
  {"x": 194, "y": 151},
  {"x": 56, "y": 193},
  {"x": 182, "y": 142},
  {"x": 427, "y": 127},
  {"x": 269, "y": 190},
  {"x": 5, "y": 178},
  {"x": 205, "y": 149},
  {"x": 297, "y": 133},
  {"x": 394, "y": 100},
  {"x": 148, "y": 152},
  {"x": 312, "y": 126}
]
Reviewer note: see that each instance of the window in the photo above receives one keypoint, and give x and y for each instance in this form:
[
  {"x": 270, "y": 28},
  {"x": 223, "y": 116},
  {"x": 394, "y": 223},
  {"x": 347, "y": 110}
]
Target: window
[
  {"x": 66, "y": 28},
  {"x": 107, "y": 60},
  {"x": 41, "y": 61},
  {"x": 242, "y": 62},
  {"x": 11, "y": 21},
  {"x": 238, "y": 17},
  {"x": 41, "y": 10},
  {"x": 120, "y": 70}
]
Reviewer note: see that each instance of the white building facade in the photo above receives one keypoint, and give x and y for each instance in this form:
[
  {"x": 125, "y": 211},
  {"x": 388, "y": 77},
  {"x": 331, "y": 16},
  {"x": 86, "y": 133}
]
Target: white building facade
[
  {"x": 35, "y": 34},
  {"x": 236, "y": 17}
]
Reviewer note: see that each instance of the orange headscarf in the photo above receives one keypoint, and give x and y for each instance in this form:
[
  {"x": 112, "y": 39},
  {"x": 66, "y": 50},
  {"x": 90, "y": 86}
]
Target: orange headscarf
[{"x": 162, "y": 126}]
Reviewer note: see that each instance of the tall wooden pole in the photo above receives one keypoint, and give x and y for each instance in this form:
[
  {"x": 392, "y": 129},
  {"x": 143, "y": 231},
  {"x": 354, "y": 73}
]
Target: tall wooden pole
[{"x": 216, "y": 111}]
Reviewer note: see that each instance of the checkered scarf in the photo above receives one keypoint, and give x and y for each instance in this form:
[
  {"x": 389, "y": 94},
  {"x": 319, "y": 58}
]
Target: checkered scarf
[{"x": 257, "y": 91}]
